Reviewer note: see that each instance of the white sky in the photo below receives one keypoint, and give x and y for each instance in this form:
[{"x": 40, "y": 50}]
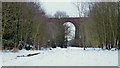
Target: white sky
[{"x": 52, "y": 7}]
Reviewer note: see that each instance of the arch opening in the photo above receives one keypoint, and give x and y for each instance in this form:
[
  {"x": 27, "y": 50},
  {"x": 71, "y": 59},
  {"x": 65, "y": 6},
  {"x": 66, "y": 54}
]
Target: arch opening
[{"x": 69, "y": 30}]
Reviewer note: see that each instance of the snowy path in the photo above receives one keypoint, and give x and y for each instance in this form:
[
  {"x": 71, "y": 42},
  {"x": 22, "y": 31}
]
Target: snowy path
[{"x": 62, "y": 57}]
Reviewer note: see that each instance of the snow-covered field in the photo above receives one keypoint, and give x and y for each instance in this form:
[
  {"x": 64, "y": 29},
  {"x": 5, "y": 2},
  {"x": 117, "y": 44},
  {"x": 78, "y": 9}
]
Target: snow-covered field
[{"x": 70, "y": 56}]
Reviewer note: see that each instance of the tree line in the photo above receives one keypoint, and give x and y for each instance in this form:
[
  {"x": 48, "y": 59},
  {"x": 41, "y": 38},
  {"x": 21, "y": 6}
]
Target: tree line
[
  {"x": 101, "y": 28},
  {"x": 24, "y": 25}
]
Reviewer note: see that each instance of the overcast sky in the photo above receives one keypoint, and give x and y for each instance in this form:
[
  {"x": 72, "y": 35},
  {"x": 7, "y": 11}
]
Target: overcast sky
[{"x": 52, "y": 7}]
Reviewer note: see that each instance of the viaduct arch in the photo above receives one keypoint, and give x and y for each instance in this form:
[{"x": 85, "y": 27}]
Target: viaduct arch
[{"x": 75, "y": 20}]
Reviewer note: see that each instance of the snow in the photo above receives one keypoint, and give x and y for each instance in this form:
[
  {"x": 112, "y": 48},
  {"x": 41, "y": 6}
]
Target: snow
[
  {"x": 71, "y": 56},
  {"x": 0, "y": 59}
]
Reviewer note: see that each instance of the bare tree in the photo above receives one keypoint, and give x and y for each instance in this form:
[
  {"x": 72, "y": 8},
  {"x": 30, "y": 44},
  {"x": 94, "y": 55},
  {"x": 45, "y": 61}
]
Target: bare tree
[
  {"x": 78, "y": 6},
  {"x": 82, "y": 8},
  {"x": 60, "y": 14}
]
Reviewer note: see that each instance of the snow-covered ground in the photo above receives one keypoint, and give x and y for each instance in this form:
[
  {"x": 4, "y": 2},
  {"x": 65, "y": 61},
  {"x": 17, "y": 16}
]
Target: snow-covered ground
[
  {"x": 0, "y": 59},
  {"x": 71, "y": 56}
]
